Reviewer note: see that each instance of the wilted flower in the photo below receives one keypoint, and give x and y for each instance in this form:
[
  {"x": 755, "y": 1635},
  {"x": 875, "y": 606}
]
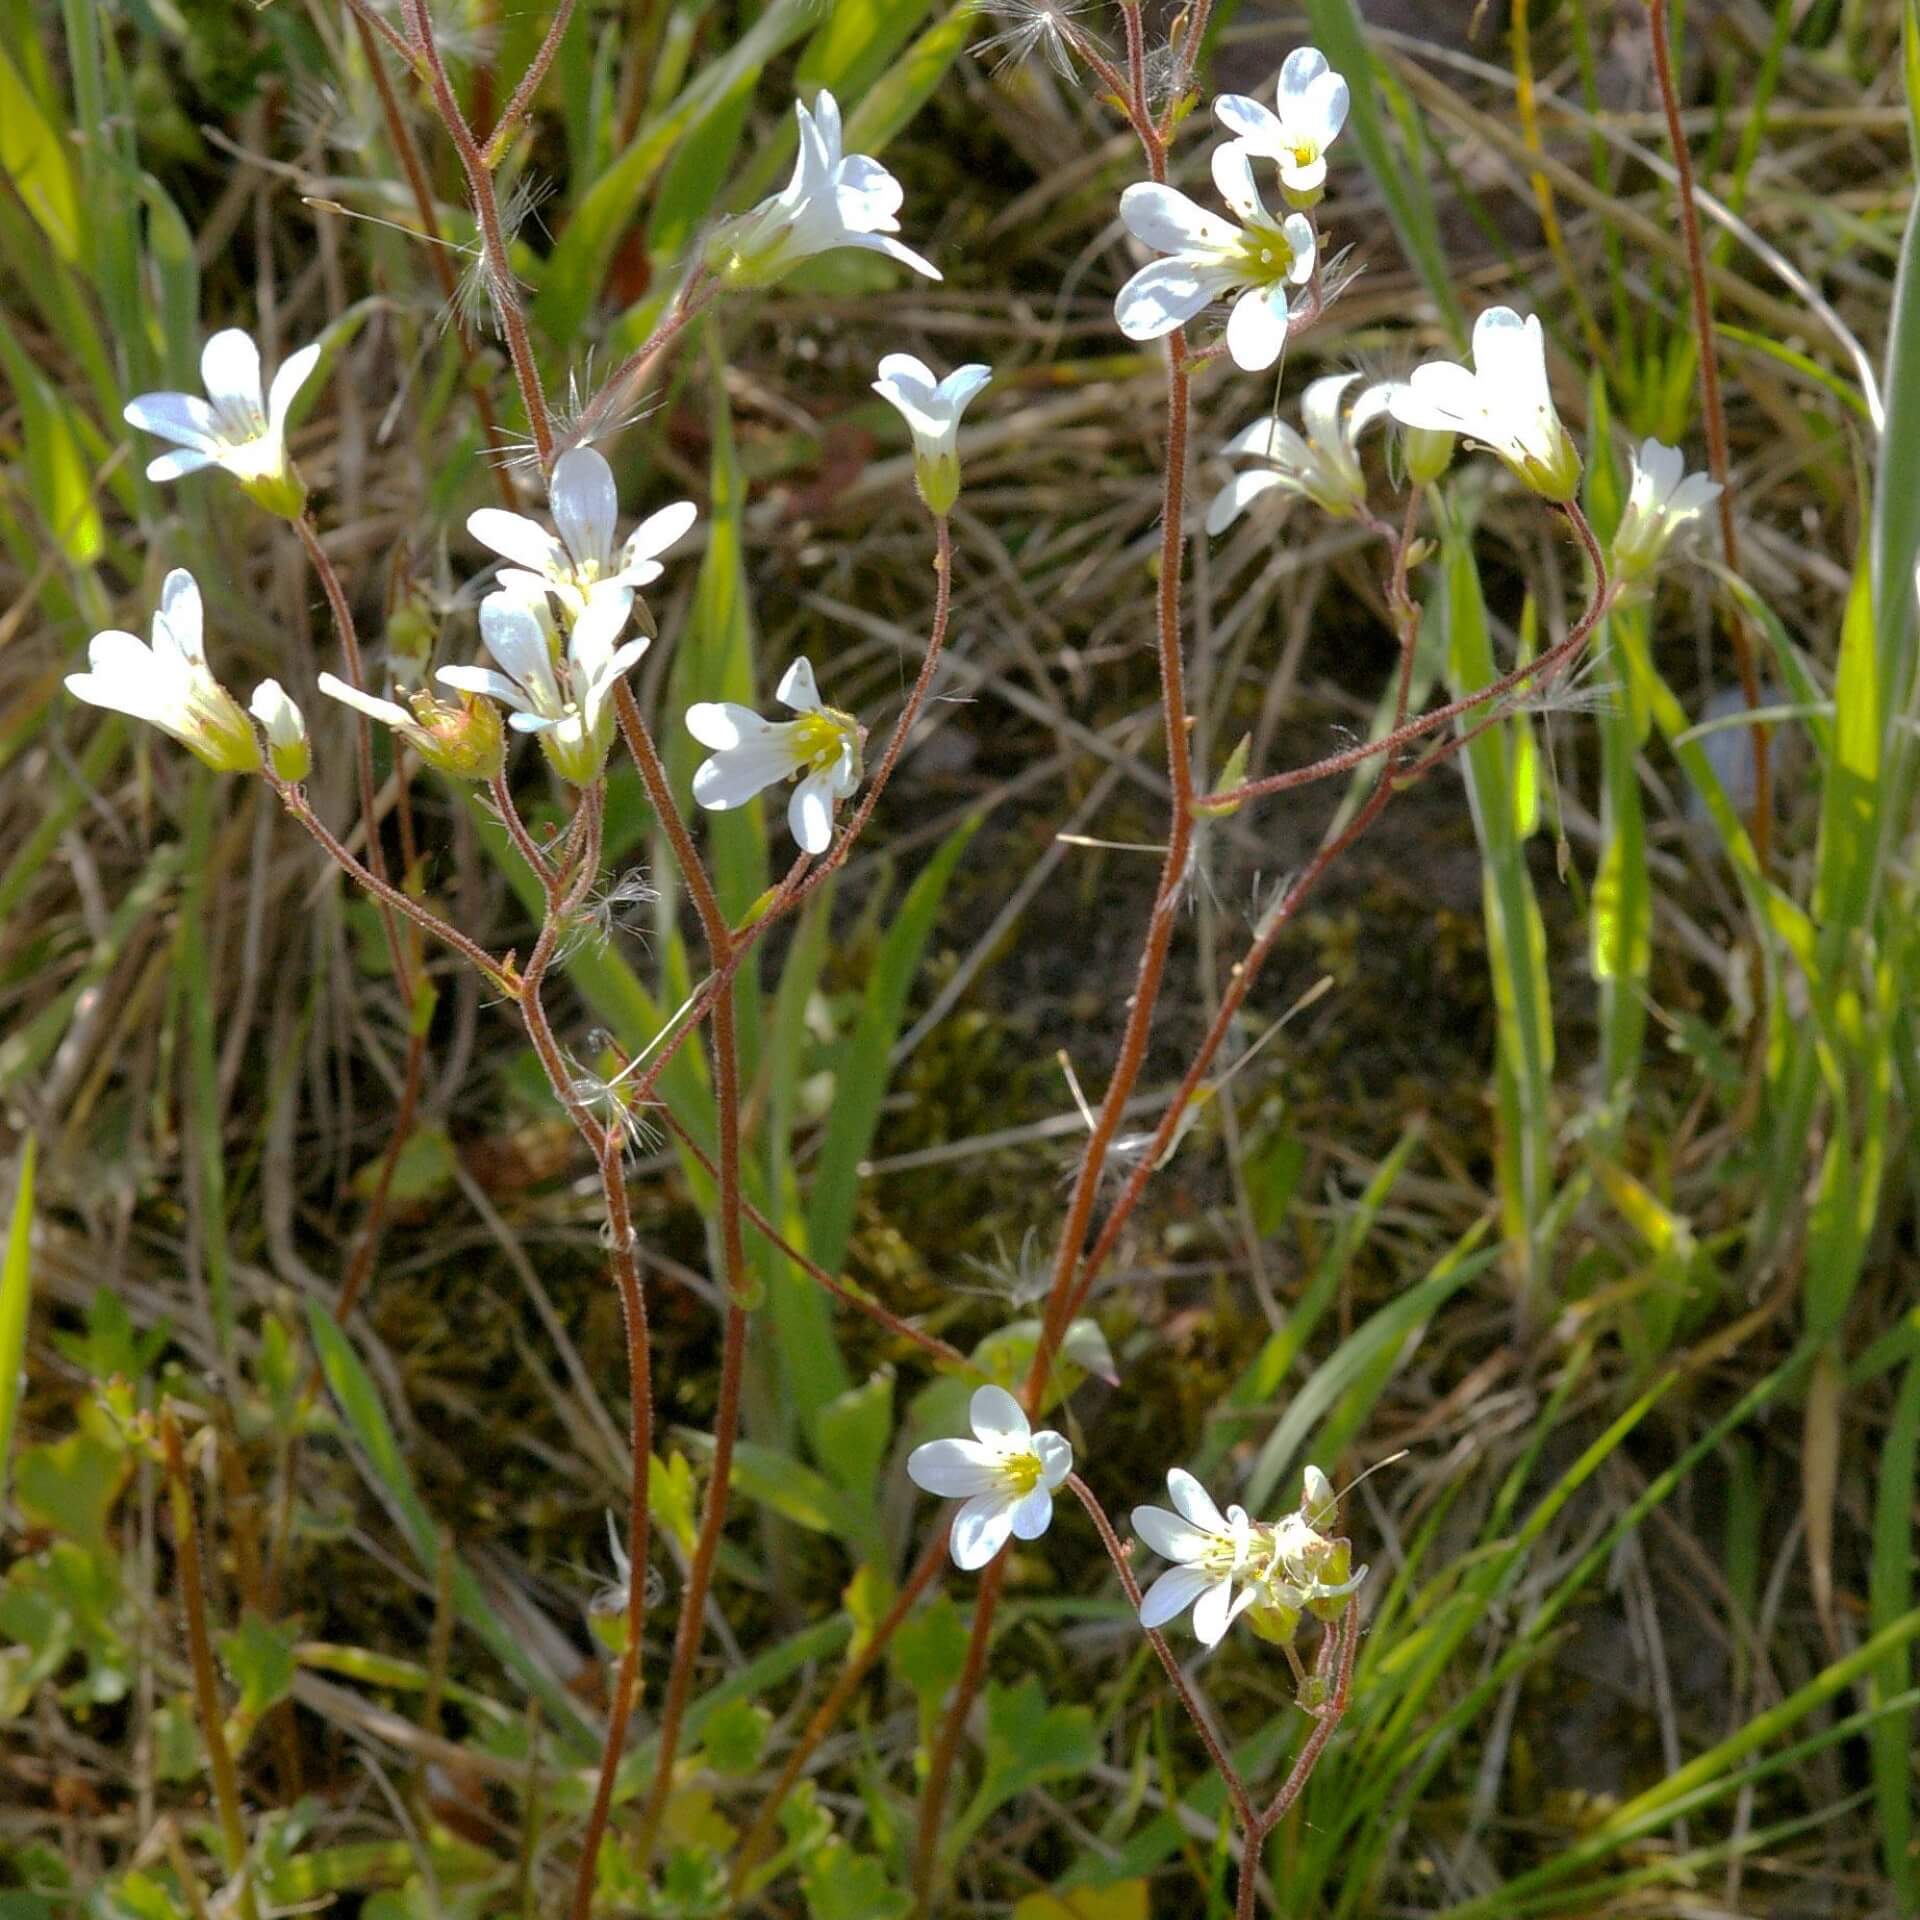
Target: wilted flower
[
  {"x": 1324, "y": 466},
  {"x": 1210, "y": 1553},
  {"x": 1659, "y": 503},
  {"x": 750, "y": 754},
  {"x": 465, "y": 741},
  {"x": 1006, "y": 1475},
  {"x": 1313, "y": 108},
  {"x": 565, "y": 700},
  {"x": 932, "y": 409},
  {"x": 1209, "y": 258},
  {"x": 834, "y": 199},
  {"x": 581, "y": 568},
  {"x": 167, "y": 683},
  {"x": 235, "y": 426},
  {"x": 286, "y": 729},
  {"x": 1503, "y": 402}
]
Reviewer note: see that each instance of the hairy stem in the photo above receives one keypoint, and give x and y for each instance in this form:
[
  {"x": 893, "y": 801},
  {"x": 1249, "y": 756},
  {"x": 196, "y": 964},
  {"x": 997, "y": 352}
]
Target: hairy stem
[
  {"x": 206, "y": 1685},
  {"x": 1713, "y": 416}
]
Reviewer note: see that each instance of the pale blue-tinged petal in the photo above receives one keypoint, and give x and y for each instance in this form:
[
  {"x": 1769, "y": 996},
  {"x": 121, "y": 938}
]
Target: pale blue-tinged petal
[
  {"x": 1056, "y": 1457},
  {"x": 725, "y": 724},
  {"x": 585, "y": 504},
  {"x": 1194, "y": 1501},
  {"x": 293, "y": 373},
  {"x": 181, "y": 417},
  {"x": 483, "y": 680},
  {"x": 998, "y": 1419},
  {"x": 177, "y": 462},
  {"x": 1168, "y": 1535},
  {"x": 181, "y": 618},
  {"x": 980, "y": 1530},
  {"x": 519, "y": 539},
  {"x": 1163, "y": 295},
  {"x": 1237, "y": 495},
  {"x": 1210, "y": 1613},
  {"x": 1172, "y": 1594},
  {"x": 1257, "y": 328},
  {"x": 797, "y": 689},
  {"x": 1034, "y": 1514},
  {"x": 1248, "y": 120},
  {"x": 1164, "y": 219},
  {"x": 810, "y": 813},
  {"x": 230, "y": 371}
]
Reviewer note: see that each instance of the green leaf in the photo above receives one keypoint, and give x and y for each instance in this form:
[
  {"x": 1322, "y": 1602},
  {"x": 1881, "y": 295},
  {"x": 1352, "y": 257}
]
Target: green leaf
[
  {"x": 1890, "y": 1595},
  {"x": 57, "y": 471},
  {"x": 71, "y": 1486},
  {"x": 1028, "y": 1744},
  {"x": 35, "y": 158},
  {"x": 258, "y": 1657},
  {"x": 736, "y": 1736},
  {"x": 1845, "y": 875},
  {"x": 851, "y": 1434},
  {"x": 16, "y": 1291},
  {"x": 840, "y": 1884},
  {"x": 379, "y": 1451},
  {"x": 929, "y": 1649},
  {"x": 425, "y": 1168}
]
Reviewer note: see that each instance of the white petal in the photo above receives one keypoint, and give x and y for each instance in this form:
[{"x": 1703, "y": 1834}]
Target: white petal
[
  {"x": 659, "y": 531},
  {"x": 1320, "y": 410},
  {"x": 1236, "y": 496},
  {"x": 731, "y": 779},
  {"x": 1264, "y": 439},
  {"x": 797, "y": 690},
  {"x": 998, "y": 1419},
  {"x": 895, "y": 250},
  {"x": 1163, "y": 295},
  {"x": 230, "y": 371},
  {"x": 1301, "y": 68},
  {"x": 1056, "y": 1457},
  {"x": 865, "y": 195},
  {"x": 1298, "y": 230},
  {"x": 181, "y": 417},
  {"x": 1662, "y": 466},
  {"x": 178, "y": 462},
  {"x": 518, "y": 538},
  {"x": 1257, "y": 328},
  {"x": 273, "y": 707},
  {"x": 516, "y": 638},
  {"x": 1165, "y": 219},
  {"x": 483, "y": 680},
  {"x": 182, "y": 616},
  {"x": 1693, "y": 495},
  {"x": 1372, "y": 405},
  {"x": 725, "y": 724},
  {"x": 1303, "y": 176},
  {"x": 375, "y": 709},
  {"x": 1168, "y": 1535},
  {"x": 1510, "y": 354},
  {"x": 585, "y": 505},
  {"x": 293, "y": 374},
  {"x": 1172, "y": 1594},
  {"x": 1233, "y": 175},
  {"x": 598, "y": 625},
  {"x": 1322, "y": 109},
  {"x": 810, "y": 813},
  {"x": 1440, "y": 397},
  {"x": 1034, "y": 1514},
  {"x": 1194, "y": 1501},
  {"x": 826, "y": 121},
  {"x": 1248, "y": 120},
  {"x": 954, "y": 1469},
  {"x": 1210, "y": 1615},
  {"x": 980, "y": 1530},
  {"x": 906, "y": 369}
]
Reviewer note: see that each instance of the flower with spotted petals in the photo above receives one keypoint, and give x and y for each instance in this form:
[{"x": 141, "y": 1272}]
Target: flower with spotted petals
[{"x": 1005, "y": 1477}]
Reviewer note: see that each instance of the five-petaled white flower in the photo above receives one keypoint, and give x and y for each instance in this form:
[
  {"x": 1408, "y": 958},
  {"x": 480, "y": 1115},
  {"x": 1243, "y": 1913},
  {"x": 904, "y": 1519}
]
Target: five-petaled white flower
[
  {"x": 1324, "y": 466},
  {"x": 1313, "y": 108},
  {"x": 236, "y": 426},
  {"x": 1659, "y": 503},
  {"x": 834, "y": 199},
  {"x": 1006, "y": 1475},
  {"x": 286, "y": 729},
  {"x": 932, "y": 410},
  {"x": 1209, "y": 258},
  {"x": 1211, "y": 1554},
  {"x": 466, "y": 741},
  {"x": 1503, "y": 402},
  {"x": 565, "y": 699},
  {"x": 581, "y": 568},
  {"x": 168, "y": 683},
  {"x": 749, "y": 754}
]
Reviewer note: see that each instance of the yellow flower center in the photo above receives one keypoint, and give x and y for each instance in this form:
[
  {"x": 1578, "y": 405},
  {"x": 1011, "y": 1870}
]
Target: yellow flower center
[
  {"x": 1021, "y": 1472},
  {"x": 1266, "y": 258},
  {"x": 819, "y": 739},
  {"x": 1305, "y": 153}
]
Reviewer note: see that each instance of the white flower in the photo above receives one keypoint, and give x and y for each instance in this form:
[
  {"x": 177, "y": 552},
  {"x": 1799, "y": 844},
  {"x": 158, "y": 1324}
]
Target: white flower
[
  {"x": 834, "y": 199},
  {"x": 167, "y": 683},
  {"x": 1006, "y": 1474},
  {"x": 1211, "y": 1553},
  {"x": 1324, "y": 466},
  {"x": 1659, "y": 503},
  {"x": 1208, "y": 258},
  {"x": 581, "y": 568},
  {"x": 234, "y": 427},
  {"x": 932, "y": 410},
  {"x": 1313, "y": 108},
  {"x": 1503, "y": 402},
  {"x": 749, "y": 754},
  {"x": 286, "y": 729},
  {"x": 565, "y": 700},
  {"x": 466, "y": 741}
]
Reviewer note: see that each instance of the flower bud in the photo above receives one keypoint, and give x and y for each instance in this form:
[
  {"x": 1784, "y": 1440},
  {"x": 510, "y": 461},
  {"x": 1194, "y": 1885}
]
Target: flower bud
[
  {"x": 280, "y": 492},
  {"x": 1429, "y": 454},
  {"x": 466, "y": 741},
  {"x": 286, "y": 729}
]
